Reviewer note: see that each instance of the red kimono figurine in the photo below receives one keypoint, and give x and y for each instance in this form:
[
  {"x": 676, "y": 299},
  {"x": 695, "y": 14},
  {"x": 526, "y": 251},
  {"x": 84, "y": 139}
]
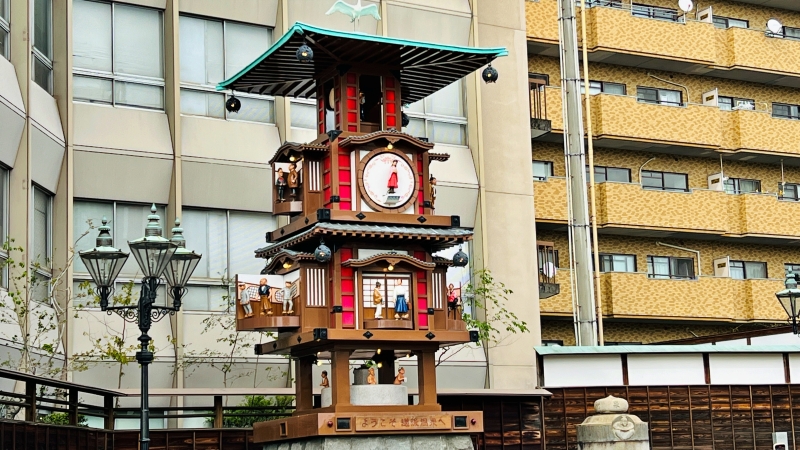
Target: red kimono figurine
[{"x": 392, "y": 185}]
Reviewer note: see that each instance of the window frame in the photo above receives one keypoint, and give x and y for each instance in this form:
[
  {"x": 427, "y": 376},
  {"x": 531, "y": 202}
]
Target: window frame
[
  {"x": 211, "y": 89},
  {"x": 427, "y": 117},
  {"x": 672, "y": 263},
  {"x": 5, "y": 175},
  {"x": 603, "y": 266},
  {"x": 5, "y": 25},
  {"x": 727, "y": 23},
  {"x": 37, "y": 54},
  {"x": 658, "y": 101},
  {"x": 605, "y": 173},
  {"x": 791, "y": 267},
  {"x": 790, "y": 36},
  {"x": 782, "y": 191},
  {"x": 744, "y": 269},
  {"x": 546, "y": 163},
  {"x": 664, "y": 188},
  {"x": 115, "y": 78},
  {"x": 734, "y": 102},
  {"x": 45, "y": 268},
  {"x": 737, "y": 188},
  {"x": 603, "y": 85},
  {"x": 790, "y": 116}
]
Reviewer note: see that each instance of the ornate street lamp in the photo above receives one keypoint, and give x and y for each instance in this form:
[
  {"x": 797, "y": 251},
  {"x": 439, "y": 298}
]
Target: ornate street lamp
[
  {"x": 156, "y": 256},
  {"x": 789, "y": 297}
]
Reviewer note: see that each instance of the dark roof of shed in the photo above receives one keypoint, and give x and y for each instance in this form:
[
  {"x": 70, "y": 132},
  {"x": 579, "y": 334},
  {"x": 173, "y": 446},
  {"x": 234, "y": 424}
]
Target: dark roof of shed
[{"x": 424, "y": 67}]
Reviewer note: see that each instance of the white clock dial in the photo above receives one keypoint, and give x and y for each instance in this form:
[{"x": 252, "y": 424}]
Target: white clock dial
[{"x": 389, "y": 180}]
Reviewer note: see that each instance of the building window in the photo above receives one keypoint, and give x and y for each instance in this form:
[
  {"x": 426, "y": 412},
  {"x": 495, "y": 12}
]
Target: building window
[
  {"x": 734, "y": 103},
  {"x": 212, "y": 51},
  {"x": 654, "y": 12},
  {"x": 43, "y": 44},
  {"x": 785, "y": 111},
  {"x": 665, "y": 181},
  {"x": 542, "y": 170},
  {"x": 790, "y": 267},
  {"x": 388, "y": 284},
  {"x": 727, "y": 22},
  {"x": 42, "y": 245},
  {"x": 211, "y": 233},
  {"x": 618, "y": 343},
  {"x": 3, "y": 226},
  {"x": 746, "y": 270},
  {"x": 5, "y": 29},
  {"x": 118, "y": 54},
  {"x": 303, "y": 114},
  {"x": 440, "y": 117},
  {"x": 617, "y": 263},
  {"x": 552, "y": 343},
  {"x": 603, "y": 174},
  {"x": 791, "y": 33},
  {"x": 659, "y": 96},
  {"x": 665, "y": 267},
  {"x": 789, "y": 191},
  {"x": 606, "y": 87},
  {"x": 742, "y": 186}
]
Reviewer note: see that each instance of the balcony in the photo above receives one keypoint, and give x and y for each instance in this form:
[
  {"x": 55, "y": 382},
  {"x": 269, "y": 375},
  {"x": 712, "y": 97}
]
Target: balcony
[
  {"x": 764, "y": 215},
  {"x": 759, "y": 132},
  {"x": 634, "y": 295},
  {"x": 550, "y": 200},
  {"x": 627, "y": 205},
  {"x": 618, "y": 37}
]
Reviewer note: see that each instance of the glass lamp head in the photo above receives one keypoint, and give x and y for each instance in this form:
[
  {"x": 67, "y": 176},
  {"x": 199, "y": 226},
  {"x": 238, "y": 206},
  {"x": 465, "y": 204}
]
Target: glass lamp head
[
  {"x": 789, "y": 296},
  {"x": 104, "y": 262},
  {"x": 183, "y": 261},
  {"x": 153, "y": 252}
]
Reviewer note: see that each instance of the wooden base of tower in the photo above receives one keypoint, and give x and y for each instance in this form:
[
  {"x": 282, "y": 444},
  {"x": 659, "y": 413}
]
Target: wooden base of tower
[{"x": 368, "y": 423}]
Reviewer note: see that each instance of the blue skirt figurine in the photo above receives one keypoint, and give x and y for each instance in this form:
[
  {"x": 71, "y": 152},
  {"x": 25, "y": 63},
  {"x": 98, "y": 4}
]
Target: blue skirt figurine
[{"x": 400, "y": 307}]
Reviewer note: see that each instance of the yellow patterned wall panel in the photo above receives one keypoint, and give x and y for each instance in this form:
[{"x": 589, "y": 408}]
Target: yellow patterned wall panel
[
  {"x": 767, "y": 215},
  {"x": 764, "y": 304},
  {"x": 541, "y": 20},
  {"x": 550, "y": 200},
  {"x": 623, "y": 117},
  {"x": 664, "y": 210},
  {"x": 560, "y": 304},
  {"x": 617, "y": 30},
  {"x": 759, "y": 131},
  {"x": 752, "y": 49}
]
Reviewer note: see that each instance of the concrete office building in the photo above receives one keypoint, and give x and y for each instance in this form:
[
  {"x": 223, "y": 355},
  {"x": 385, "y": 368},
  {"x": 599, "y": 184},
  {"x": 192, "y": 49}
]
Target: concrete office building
[
  {"x": 695, "y": 123},
  {"x": 111, "y": 106}
]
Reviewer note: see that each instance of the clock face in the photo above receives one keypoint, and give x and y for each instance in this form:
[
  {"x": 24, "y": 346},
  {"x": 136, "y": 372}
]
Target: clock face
[{"x": 388, "y": 180}]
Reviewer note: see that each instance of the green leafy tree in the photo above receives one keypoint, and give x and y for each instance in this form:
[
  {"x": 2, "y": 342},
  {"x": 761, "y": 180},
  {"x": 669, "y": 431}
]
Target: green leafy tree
[{"x": 60, "y": 418}]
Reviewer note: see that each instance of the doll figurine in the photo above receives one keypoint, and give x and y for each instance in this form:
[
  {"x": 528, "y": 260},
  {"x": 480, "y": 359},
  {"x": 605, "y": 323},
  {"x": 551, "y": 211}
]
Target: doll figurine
[
  {"x": 244, "y": 300},
  {"x": 377, "y": 300},
  {"x": 433, "y": 192},
  {"x": 371, "y": 376},
  {"x": 288, "y": 303},
  {"x": 263, "y": 292},
  {"x": 392, "y": 184},
  {"x": 400, "y": 301},
  {"x": 280, "y": 183},
  {"x": 401, "y": 376},
  {"x": 294, "y": 181},
  {"x": 325, "y": 383}
]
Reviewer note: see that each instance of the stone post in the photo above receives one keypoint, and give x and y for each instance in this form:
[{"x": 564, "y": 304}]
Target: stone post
[{"x": 611, "y": 428}]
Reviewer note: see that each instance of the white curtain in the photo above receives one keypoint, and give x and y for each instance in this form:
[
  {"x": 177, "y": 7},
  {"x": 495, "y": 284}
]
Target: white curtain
[
  {"x": 304, "y": 116},
  {"x": 138, "y": 41},
  {"x": 87, "y": 216},
  {"x": 247, "y": 232},
  {"x": 91, "y": 45},
  {"x": 447, "y": 102},
  {"x": 136, "y": 94},
  {"x": 93, "y": 90},
  {"x": 200, "y": 103},
  {"x": 41, "y": 227},
  {"x": 131, "y": 221},
  {"x": 256, "y": 110},
  {"x": 202, "y": 60},
  {"x": 206, "y": 233},
  {"x": 243, "y": 44}
]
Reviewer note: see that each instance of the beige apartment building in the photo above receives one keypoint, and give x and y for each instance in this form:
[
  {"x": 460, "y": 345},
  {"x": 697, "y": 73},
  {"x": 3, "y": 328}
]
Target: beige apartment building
[
  {"x": 109, "y": 106},
  {"x": 695, "y": 121}
]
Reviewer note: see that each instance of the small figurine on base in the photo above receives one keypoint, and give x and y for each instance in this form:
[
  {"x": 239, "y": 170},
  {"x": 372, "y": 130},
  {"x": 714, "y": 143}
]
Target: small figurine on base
[
  {"x": 280, "y": 183},
  {"x": 288, "y": 303},
  {"x": 371, "y": 376},
  {"x": 433, "y": 192},
  {"x": 293, "y": 181},
  {"x": 400, "y": 301},
  {"x": 401, "y": 376},
  {"x": 377, "y": 300},
  {"x": 453, "y": 300},
  {"x": 392, "y": 183},
  {"x": 263, "y": 292},
  {"x": 325, "y": 383},
  {"x": 244, "y": 300}
]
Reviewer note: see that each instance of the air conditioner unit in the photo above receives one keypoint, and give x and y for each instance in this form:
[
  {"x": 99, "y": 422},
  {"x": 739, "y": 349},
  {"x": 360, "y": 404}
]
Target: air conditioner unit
[
  {"x": 716, "y": 182},
  {"x": 744, "y": 106},
  {"x": 722, "y": 267}
]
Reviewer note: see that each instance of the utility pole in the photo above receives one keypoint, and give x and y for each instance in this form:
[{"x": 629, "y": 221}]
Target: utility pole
[{"x": 575, "y": 157}]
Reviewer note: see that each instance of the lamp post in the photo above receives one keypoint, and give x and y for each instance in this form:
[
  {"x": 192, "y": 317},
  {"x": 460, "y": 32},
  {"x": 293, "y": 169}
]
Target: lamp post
[
  {"x": 789, "y": 297},
  {"x": 157, "y": 256}
]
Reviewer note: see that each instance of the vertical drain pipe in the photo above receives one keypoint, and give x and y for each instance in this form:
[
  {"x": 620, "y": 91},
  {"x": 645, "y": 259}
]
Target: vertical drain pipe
[{"x": 598, "y": 305}]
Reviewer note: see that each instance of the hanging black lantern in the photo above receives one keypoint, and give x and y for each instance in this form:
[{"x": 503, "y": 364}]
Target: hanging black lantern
[
  {"x": 404, "y": 120},
  {"x": 233, "y": 105},
  {"x": 322, "y": 253},
  {"x": 304, "y": 54},
  {"x": 489, "y": 74},
  {"x": 460, "y": 259}
]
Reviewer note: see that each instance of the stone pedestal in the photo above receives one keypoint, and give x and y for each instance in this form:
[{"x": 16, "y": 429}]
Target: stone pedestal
[
  {"x": 612, "y": 428},
  {"x": 396, "y": 442},
  {"x": 370, "y": 395}
]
